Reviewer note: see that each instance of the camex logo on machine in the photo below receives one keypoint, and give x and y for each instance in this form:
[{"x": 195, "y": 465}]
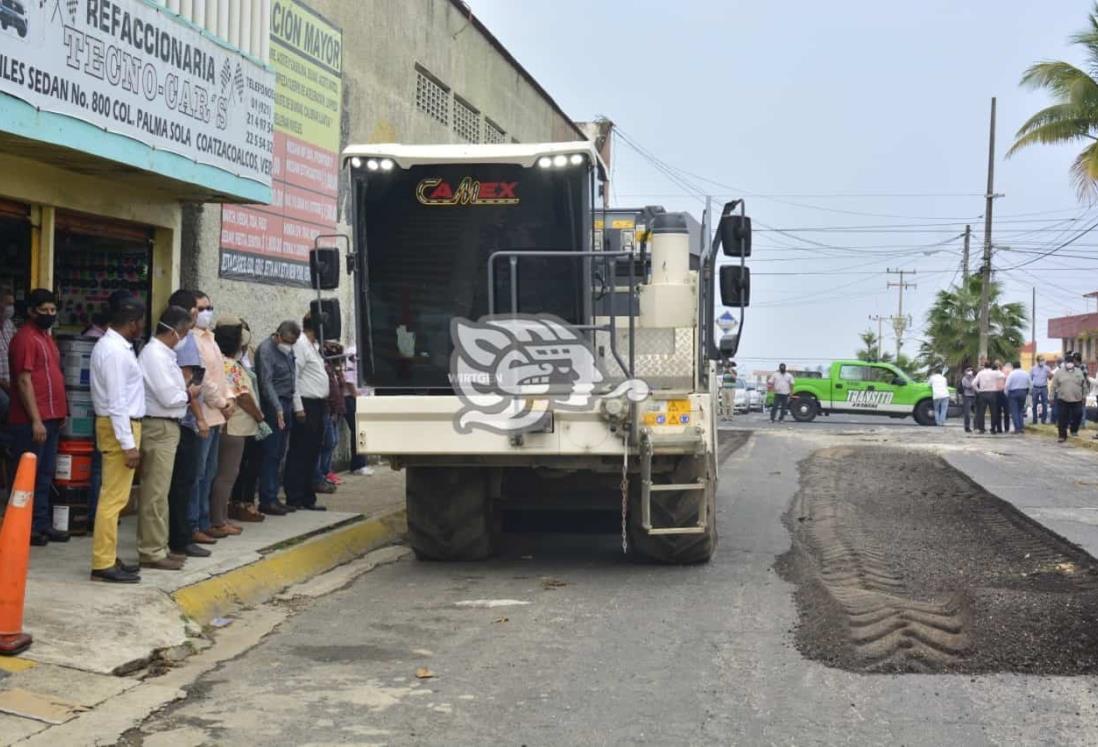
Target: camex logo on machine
[{"x": 469, "y": 191}]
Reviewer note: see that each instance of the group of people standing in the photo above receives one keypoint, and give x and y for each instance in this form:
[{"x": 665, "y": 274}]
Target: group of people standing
[
  {"x": 200, "y": 418},
  {"x": 1057, "y": 393}
]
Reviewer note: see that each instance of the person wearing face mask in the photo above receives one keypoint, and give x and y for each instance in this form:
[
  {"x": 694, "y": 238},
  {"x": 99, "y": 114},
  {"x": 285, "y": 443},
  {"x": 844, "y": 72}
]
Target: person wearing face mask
[
  {"x": 1068, "y": 391},
  {"x": 782, "y": 383},
  {"x": 242, "y": 425},
  {"x": 217, "y": 407},
  {"x": 118, "y": 396},
  {"x": 276, "y": 370},
  {"x": 968, "y": 394},
  {"x": 39, "y": 405},
  {"x": 166, "y": 398}
]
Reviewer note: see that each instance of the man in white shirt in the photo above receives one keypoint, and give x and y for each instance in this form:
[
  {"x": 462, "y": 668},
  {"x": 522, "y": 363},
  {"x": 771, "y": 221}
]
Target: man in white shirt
[
  {"x": 782, "y": 384},
  {"x": 310, "y": 412},
  {"x": 939, "y": 393},
  {"x": 118, "y": 396},
  {"x": 166, "y": 400},
  {"x": 988, "y": 383}
]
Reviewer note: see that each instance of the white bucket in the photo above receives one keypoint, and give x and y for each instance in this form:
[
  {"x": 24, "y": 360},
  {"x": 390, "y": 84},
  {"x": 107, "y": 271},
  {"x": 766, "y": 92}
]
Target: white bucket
[{"x": 61, "y": 518}]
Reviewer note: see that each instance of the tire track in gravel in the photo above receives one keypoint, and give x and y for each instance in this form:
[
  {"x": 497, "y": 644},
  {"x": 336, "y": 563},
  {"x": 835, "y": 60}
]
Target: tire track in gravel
[
  {"x": 887, "y": 629},
  {"x": 903, "y": 564}
]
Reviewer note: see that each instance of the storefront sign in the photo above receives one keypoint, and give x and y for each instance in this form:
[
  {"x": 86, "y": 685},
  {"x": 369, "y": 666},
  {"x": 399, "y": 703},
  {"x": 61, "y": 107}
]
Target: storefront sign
[
  {"x": 135, "y": 70},
  {"x": 271, "y": 243}
]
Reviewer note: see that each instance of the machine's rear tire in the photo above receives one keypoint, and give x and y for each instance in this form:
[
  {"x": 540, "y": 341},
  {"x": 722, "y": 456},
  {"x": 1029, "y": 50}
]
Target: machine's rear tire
[
  {"x": 449, "y": 513},
  {"x": 674, "y": 509}
]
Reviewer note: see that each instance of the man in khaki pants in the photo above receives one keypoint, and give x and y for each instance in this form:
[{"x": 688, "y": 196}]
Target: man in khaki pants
[
  {"x": 166, "y": 399},
  {"x": 118, "y": 396}
]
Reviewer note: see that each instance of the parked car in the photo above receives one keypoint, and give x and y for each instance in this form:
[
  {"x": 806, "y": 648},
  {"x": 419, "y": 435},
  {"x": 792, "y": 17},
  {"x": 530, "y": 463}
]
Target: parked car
[
  {"x": 12, "y": 13},
  {"x": 755, "y": 399},
  {"x": 741, "y": 397}
]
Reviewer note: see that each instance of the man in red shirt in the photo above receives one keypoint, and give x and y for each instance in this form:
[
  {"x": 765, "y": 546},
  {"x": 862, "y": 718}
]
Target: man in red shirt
[{"x": 38, "y": 404}]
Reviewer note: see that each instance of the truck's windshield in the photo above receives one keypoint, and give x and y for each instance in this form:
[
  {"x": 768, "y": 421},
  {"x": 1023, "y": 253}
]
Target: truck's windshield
[{"x": 430, "y": 231}]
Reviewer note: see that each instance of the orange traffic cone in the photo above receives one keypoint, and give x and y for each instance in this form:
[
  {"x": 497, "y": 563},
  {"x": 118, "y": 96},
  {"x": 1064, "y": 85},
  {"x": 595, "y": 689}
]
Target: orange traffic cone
[{"x": 14, "y": 552}]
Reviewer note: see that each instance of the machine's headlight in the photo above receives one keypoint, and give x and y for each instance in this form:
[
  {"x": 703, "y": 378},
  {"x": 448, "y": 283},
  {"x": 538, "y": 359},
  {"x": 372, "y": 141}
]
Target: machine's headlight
[
  {"x": 576, "y": 159},
  {"x": 545, "y": 162},
  {"x": 356, "y": 162},
  {"x": 372, "y": 164},
  {"x": 560, "y": 160},
  {"x": 386, "y": 164}
]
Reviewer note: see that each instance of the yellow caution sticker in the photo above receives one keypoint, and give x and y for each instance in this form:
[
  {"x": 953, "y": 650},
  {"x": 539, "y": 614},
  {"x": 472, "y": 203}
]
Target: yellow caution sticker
[{"x": 669, "y": 412}]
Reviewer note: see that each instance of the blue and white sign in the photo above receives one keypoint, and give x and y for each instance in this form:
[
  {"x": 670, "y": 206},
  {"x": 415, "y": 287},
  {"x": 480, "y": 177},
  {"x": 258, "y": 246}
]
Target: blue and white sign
[{"x": 133, "y": 69}]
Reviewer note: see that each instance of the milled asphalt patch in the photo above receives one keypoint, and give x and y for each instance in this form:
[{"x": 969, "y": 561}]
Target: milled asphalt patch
[{"x": 903, "y": 564}]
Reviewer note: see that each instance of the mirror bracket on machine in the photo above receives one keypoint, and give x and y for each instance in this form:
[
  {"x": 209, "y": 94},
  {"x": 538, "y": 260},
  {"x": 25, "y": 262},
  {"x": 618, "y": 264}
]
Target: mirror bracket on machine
[
  {"x": 324, "y": 261},
  {"x": 733, "y": 238}
]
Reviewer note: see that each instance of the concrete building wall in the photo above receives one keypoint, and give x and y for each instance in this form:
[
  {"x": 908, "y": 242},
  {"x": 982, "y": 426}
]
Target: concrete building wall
[{"x": 385, "y": 42}]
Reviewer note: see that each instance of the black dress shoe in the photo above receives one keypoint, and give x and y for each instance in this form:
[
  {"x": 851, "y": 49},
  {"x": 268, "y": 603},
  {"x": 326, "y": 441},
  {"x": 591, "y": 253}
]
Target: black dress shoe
[
  {"x": 290, "y": 507},
  {"x": 39, "y": 539},
  {"x": 196, "y": 551},
  {"x": 314, "y": 507},
  {"x": 273, "y": 509},
  {"x": 127, "y": 567},
  {"x": 56, "y": 535},
  {"x": 115, "y": 575}
]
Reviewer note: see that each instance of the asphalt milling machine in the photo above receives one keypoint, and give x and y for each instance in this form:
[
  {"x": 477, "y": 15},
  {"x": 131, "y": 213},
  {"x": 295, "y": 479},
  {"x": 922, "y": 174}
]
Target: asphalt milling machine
[{"x": 527, "y": 349}]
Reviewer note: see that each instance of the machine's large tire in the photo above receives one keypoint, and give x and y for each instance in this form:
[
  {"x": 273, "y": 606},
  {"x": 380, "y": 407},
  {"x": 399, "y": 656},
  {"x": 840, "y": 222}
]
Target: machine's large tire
[
  {"x": 449, "y": 513},
  {"x": 924, "y": 412},
  {"x": 670, "y": 509}
]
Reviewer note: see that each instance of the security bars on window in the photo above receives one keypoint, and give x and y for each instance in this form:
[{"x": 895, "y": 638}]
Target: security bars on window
[
  {"x": 466, "y": 121},
  {"x": 493, "y": 133},
  {"x": 432, "y": 98}
]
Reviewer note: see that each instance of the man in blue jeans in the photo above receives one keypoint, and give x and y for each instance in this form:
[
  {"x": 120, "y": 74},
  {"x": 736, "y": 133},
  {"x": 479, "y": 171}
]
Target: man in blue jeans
[
  {"x": 1038, "y": 377},
  {"x": 38, "y": 405},
  {"x": 276, "y": 371},
  {"x": 1017, "y": 389}
]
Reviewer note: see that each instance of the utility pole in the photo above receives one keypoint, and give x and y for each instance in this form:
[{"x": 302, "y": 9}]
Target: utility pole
[
  {"x": 899, "y": 322},
  {"x": 985, "y": 269},
  {"x": 880, "y": 331},
  {"x": 1033, "y": 321},
  {"x": 964, "y": 257}
]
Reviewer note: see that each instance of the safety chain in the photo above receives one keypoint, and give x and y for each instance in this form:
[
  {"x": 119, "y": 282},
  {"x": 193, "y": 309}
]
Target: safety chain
[{"x": 624, "y": 495}]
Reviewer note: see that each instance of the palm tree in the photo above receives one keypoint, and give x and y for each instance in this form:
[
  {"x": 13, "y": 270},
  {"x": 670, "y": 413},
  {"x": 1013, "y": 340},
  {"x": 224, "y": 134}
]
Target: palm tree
[
  {"x": 871, "y": 350},
  {"x": 953, "y": 328},
  {"x": 1074, "y": 116}
]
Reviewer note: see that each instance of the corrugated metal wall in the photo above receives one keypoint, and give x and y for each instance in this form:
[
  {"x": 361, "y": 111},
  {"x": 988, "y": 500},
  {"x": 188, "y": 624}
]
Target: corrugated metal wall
[{"x": 242, "y": 23}]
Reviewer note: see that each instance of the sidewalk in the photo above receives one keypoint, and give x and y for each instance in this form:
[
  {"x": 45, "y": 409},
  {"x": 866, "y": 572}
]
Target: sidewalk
[{"x": 85, "y": 633}]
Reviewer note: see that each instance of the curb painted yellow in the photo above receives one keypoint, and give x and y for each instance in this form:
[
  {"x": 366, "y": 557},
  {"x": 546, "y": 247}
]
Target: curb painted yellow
[
  {"x": 14, "y": 664},
  {"x": 259, "y": 581}
]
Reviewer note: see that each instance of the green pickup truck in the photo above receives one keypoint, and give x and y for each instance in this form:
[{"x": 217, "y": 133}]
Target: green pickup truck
[{"x": 861, "y": 387}]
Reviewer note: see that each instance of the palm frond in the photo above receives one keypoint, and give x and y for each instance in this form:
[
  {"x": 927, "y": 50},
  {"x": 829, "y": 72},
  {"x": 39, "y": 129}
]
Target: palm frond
[
  {"x": 1084, "y": 172},
  {"x": 1061, "y": 78}
]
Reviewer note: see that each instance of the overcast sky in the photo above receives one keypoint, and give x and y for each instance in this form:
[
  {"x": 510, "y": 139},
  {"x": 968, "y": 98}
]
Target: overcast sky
[{"x": 862, "y": 114}]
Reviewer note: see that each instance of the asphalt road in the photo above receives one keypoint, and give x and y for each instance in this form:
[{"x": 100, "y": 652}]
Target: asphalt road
[{"x": 598, "y": 651}]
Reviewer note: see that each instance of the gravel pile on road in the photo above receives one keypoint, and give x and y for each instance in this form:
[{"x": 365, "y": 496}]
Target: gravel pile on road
[{"x": 902, "y": 564}]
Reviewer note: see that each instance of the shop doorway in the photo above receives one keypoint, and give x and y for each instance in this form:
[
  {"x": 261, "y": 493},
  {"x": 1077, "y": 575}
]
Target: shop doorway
[
  {"x": 15, "y": 252},
  {"x": 93, "y": 258}
]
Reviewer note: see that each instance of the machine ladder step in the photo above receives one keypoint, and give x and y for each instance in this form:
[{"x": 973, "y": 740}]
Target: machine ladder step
[{"x": 647, "y": 488}]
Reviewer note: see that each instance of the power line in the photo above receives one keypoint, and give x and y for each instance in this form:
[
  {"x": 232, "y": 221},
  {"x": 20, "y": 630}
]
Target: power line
[
  {"x": 1052, "y": 251},
  {"x": 627, "y": 139}
]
